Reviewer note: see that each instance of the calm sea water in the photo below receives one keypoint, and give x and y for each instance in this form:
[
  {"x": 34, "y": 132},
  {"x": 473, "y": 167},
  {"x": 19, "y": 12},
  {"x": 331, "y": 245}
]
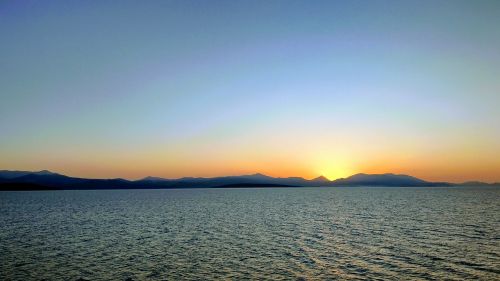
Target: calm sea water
[{"x": 273, "y": 234}]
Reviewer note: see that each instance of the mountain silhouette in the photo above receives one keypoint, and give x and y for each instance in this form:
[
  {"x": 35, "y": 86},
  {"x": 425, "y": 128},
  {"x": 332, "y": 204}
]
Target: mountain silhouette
[
  {"x": 381, "y": 180},
  {"x": 153, "y": 179},
  {"x": 15, "y": 174},
  {"x": 321, "y": 179},
  {"x": 46, "y": 180}
]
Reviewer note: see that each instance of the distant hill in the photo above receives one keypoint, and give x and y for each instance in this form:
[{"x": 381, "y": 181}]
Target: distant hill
[
  {"x": 476, "y": 183},
  {"x": 320, "y": 179},
  {"x": 46, "y": 180},
  {"x": 154, "y": 179},
  {"x": 383, "y": 180},
  {"x": 5, "y": 174}
]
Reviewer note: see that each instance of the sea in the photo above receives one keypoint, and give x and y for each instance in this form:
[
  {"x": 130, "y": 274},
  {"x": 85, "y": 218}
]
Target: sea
[{"x": 320, "y": 233}]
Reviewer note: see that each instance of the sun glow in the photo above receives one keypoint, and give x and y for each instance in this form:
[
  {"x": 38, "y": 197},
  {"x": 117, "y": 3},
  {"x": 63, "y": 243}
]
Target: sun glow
[{"x": 335, "y": 170}]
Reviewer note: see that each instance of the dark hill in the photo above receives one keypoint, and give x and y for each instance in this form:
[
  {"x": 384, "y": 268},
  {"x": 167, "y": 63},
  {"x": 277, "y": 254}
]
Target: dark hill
[
  {"x": 22, "y": 180},
  {"x": 382, "y": 180}
]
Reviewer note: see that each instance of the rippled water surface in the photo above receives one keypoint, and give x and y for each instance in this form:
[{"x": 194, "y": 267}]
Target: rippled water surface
[{"x": 273, "y": 234}]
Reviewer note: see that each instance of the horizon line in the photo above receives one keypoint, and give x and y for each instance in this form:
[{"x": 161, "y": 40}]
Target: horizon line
[{"x": 241, "y": 175}]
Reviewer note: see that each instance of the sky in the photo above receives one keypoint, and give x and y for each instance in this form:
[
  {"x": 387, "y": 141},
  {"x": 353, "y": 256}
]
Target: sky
[{"x": 107, "y": 89}]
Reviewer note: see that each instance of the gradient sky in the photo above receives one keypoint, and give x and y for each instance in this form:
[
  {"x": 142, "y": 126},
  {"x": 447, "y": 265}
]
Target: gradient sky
[{"x": 285, "y": 88}]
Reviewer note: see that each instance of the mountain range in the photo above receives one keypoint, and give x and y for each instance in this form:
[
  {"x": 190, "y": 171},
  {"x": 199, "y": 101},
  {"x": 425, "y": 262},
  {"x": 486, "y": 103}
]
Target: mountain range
[{"x": 46, "y": 180}]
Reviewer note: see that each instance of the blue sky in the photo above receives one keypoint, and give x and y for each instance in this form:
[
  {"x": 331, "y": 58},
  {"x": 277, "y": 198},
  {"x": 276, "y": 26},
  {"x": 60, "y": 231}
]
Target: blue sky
[{"x": 282, "y": 87}]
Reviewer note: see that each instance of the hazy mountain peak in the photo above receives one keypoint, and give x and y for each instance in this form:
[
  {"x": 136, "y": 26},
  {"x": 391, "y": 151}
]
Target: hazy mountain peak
[
  {"x": 150, "y": 178},
  {"x": 321, "y": 178},
  {"x": 382, "y": 179},
  {"x": 7, "y": 174},
  {"x": 258, "y": 175},
  {"x": 44, "y": 172}
]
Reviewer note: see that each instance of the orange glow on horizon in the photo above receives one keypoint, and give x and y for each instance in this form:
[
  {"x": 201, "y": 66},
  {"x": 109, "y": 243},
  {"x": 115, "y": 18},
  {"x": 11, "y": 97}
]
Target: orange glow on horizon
[
  {"x": 486, "y": 174},
  {"x": 303, "y": 156}
]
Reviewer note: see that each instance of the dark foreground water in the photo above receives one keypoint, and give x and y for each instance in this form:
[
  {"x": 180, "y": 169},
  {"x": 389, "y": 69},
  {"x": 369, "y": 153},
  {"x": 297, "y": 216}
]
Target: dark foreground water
[{"x": 273, "y": 234}]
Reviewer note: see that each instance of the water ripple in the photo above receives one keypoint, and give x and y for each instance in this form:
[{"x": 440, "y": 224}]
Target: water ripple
[{"x": 248, "y": 234}]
